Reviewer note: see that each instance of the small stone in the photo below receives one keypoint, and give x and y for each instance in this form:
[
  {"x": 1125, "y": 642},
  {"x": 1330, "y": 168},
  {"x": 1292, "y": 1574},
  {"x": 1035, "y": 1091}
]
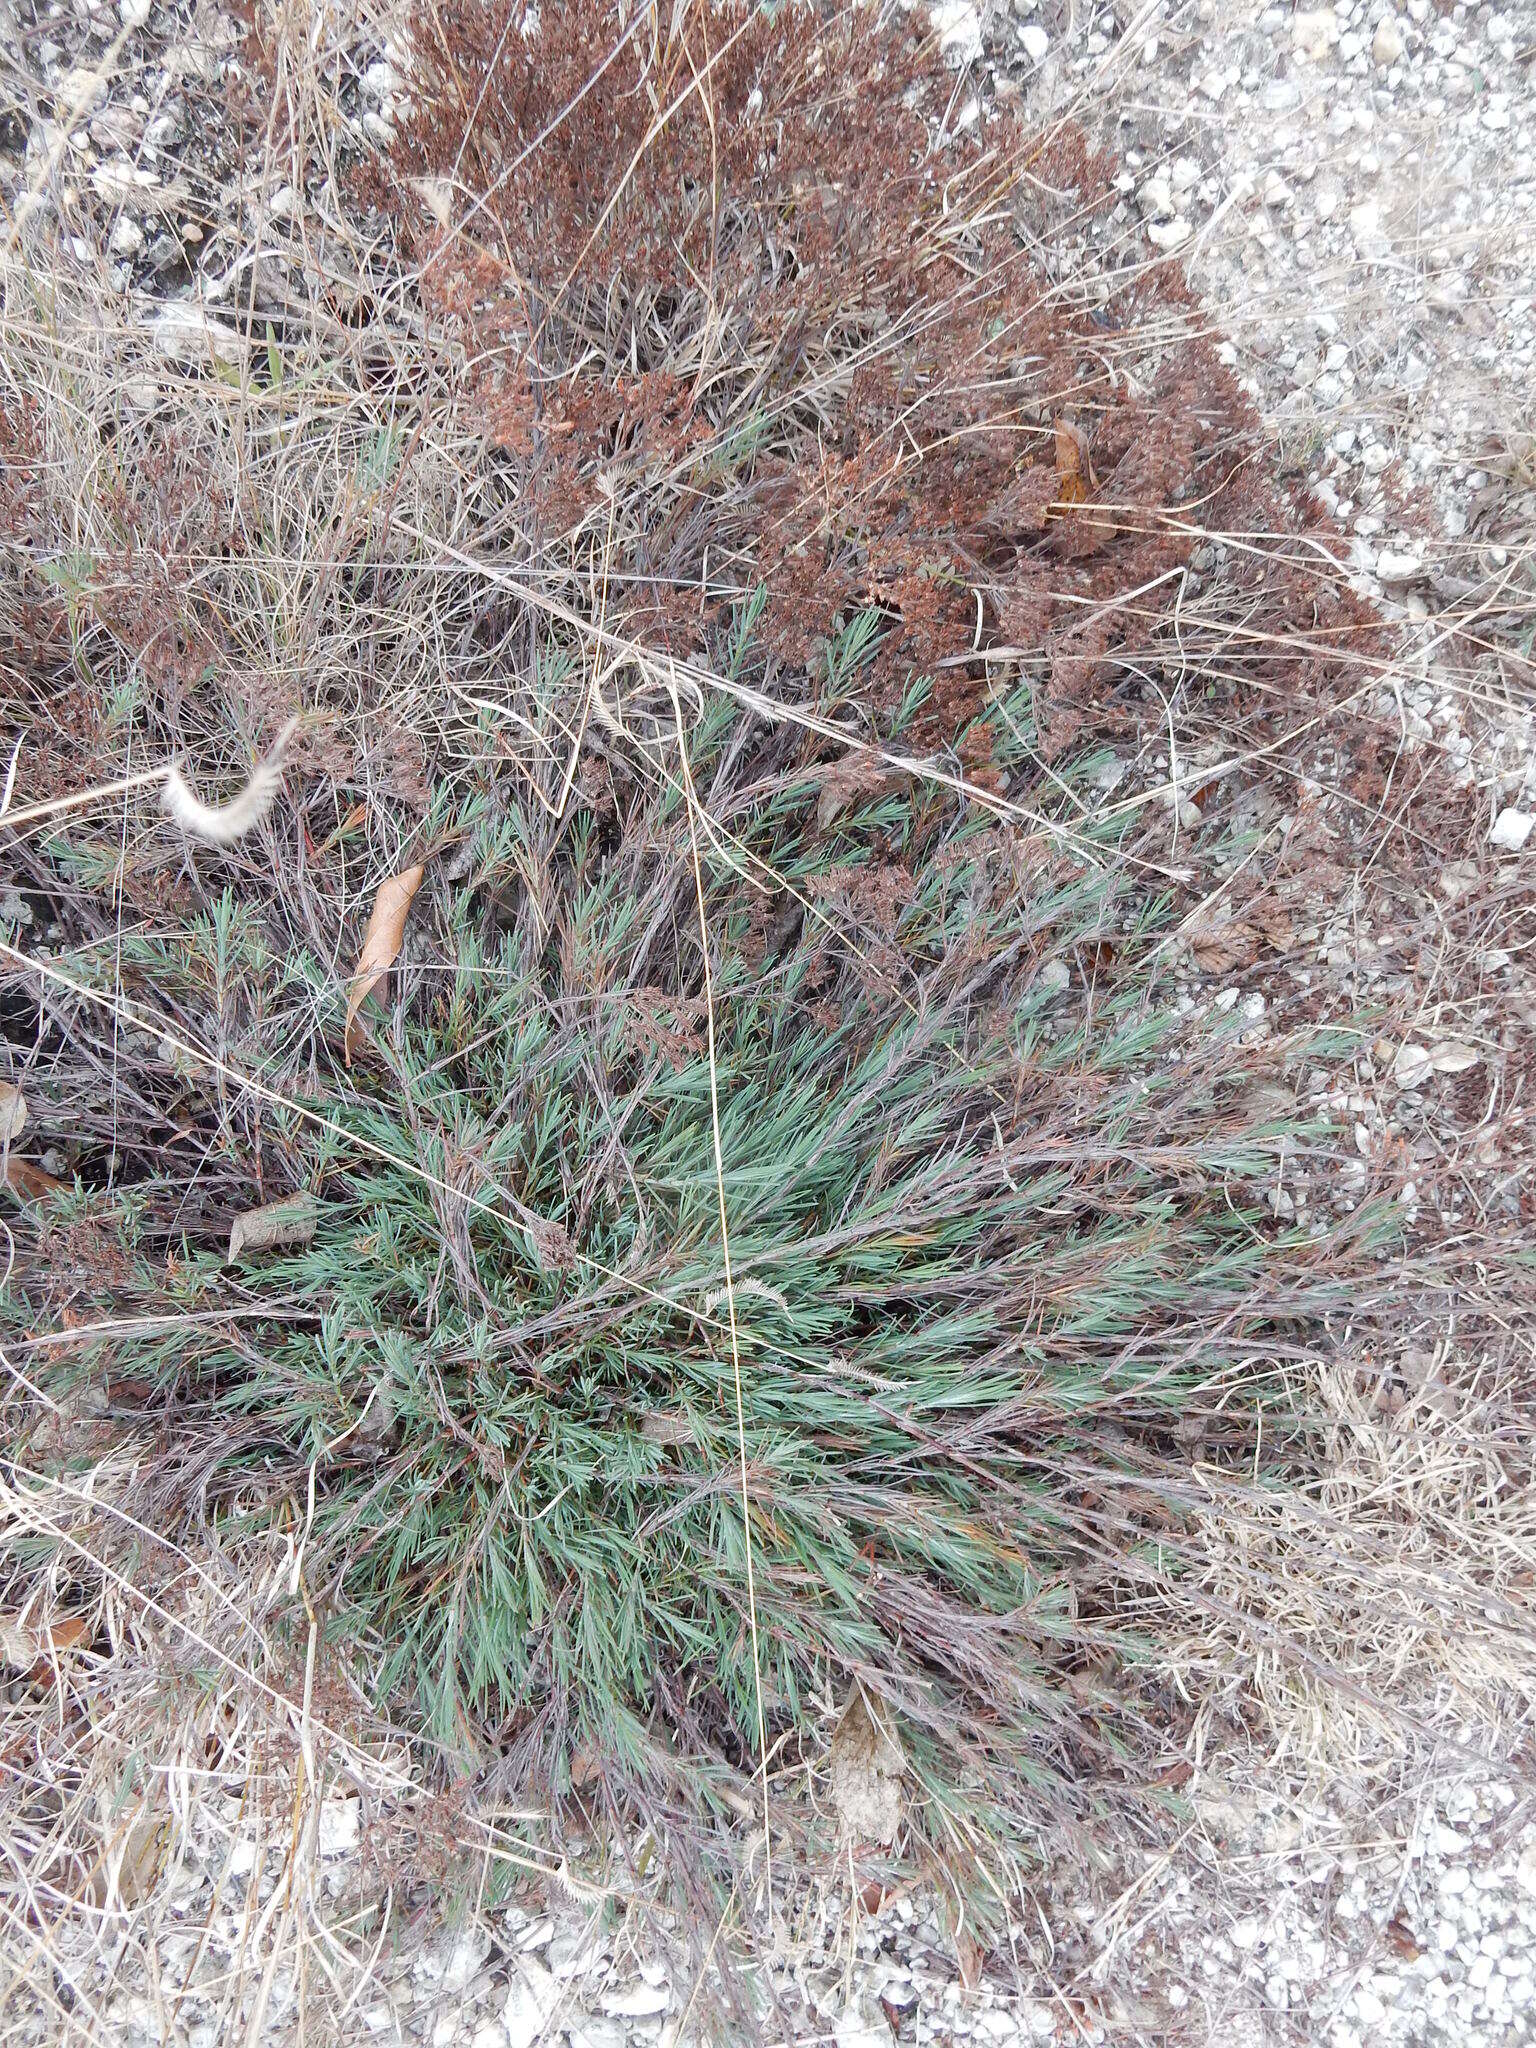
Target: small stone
[
  {"x": 639, "y": 2001},
  {"x": 1387, "y": 43},
  {"x": 590, "y": 2032},
  {"x": 119, "y": 180},
  {"x": 133, "y": 13},
  {"x": 165, "y": 130},
  {"x": 1368, "y": 2007},
  {"x": 186, "y": 334},
  {"x": 127, "y": 236},
  {"x": 1315, "y": 30},
  {"x": 857, "y": 2028},
  {"x": 568, "y": 1951},
  {"x": 529, "y": 2003},
  {"x": 1511, "y": 829},
  {"x": 340, "y": 1827},
  {"x": 995, "y": 2026},
  {"x": 1365, "y": 226},
  {"x": 959, "y": 29},
  {"x": 1036, "y": 43},
  {"x": 1169, "y": 234},
  {"x": 463, "y": 1957},
  {"x": 1394, "y": 568},
  {"x": 1186, "y": 174},
  {"x": 80, "y": 89},
  {"x": 1245, "y": 1934}
]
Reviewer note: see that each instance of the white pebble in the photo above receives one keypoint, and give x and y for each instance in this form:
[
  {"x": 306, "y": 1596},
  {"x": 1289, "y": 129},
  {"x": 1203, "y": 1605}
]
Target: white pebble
[{"x": 1511, "y": 829}]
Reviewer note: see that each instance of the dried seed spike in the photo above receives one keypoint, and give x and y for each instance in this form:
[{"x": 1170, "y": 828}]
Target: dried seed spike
[{"x": 223, "y": 825}]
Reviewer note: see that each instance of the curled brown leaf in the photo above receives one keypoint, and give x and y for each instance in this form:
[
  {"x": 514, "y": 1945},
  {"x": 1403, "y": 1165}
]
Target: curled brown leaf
[
  {"x": 867, "y": 1765},
  {"x": 26, "y": 1179},
  {"x": 26, "y": 1645},
  {"x": 273, "y": 1226},
  {"x": 13, "y": 1112},
  {"x": 381, "y": 944}
]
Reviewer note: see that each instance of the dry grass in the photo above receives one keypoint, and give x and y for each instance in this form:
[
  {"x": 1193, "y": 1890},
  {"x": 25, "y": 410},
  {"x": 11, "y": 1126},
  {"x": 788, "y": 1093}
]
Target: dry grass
[{"x": 689, "y": 848}]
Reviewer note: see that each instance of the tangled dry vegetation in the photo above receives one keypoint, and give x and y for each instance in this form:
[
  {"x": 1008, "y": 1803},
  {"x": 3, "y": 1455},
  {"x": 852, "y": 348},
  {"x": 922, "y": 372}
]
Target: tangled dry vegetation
[{"x": 745, "y": 1225}]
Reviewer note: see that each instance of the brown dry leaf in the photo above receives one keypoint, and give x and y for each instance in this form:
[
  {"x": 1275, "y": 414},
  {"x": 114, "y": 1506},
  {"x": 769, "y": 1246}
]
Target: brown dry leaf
[
  {"x": 275, "y": 1224},
  {"x": 1075, "y": 480},
  {"x": 853, "y": 776},
  {"x": 1411, "y": 1066},
  {"x": 1219, "y": 949},
  {"x": 552, "y": 1245},
  {"x": 437, "y": 197},
  {"x": 1172, "y": 1778},
  {"x": 867, "y": 1764},
  {"x": 661, "y": 1426},
  {"x": 1276, "y": 924},
  {"x": 968, "y": 1955},
  {"x": 1400, "y": 1936},
  {"x": 585, "y": 1768},
  {"x": 1450, "y": 1056},
  {"x": 141, "y": 1858},
  {"x": 1057, "y": 725},
  {"x": 1076, "y": 485},
  {"x": 381, "y": 944},
  {"x": 24, "y": 1177},
  {"x": 23, "y": 1645},
  {"x": 13, "y": 1113}
]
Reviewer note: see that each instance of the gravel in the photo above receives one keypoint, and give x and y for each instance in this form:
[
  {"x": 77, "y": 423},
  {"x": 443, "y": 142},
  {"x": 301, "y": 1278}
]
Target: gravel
[{"x": 1409, "y": 1922}]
